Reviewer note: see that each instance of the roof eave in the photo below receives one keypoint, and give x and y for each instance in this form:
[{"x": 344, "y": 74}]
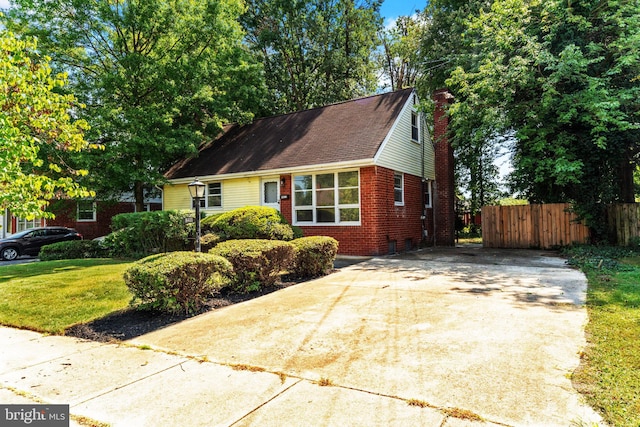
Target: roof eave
[{"x": 280, "y": 171}]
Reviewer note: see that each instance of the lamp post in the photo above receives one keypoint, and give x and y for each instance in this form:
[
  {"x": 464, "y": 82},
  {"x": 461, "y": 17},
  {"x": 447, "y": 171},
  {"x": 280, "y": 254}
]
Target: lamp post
[{"x": 196, "y": 189}]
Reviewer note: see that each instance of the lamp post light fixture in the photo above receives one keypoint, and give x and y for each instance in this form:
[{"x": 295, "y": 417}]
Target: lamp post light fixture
[{"x": 196, "y": 189}]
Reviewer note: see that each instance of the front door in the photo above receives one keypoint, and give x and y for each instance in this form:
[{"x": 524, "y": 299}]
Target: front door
[{"x": 271, "y": 193}]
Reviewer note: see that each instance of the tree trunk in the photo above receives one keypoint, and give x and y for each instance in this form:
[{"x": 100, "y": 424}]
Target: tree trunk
[{"x": 138, "y": 193}]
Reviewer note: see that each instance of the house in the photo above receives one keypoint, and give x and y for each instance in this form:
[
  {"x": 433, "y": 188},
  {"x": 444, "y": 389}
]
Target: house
[
  {"x": 90, "y": 218},
  {"x": 362, "y": 171}
]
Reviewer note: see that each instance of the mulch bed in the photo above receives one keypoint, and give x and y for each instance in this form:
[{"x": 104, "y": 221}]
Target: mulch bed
[{"x": 130, "y": 323}]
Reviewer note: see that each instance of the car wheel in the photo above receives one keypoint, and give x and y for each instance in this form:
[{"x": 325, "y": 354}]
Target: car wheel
[{"x": 9, "y": 254}]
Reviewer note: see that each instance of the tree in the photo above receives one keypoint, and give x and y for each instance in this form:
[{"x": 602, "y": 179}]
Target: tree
[
  {"x": 314, "y": 52},
  {"x": 36, "y": 128},
  {"x": 401, "y": 56},
  {"x": 158, "y": 77},
  {"x": 475, "y": 133},
  {"x": 561, "y": 75}
]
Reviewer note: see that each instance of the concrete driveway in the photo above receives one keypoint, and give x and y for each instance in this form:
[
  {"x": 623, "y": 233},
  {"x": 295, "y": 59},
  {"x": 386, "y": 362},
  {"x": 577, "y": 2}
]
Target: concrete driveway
[{"x": 441, "y": 337}]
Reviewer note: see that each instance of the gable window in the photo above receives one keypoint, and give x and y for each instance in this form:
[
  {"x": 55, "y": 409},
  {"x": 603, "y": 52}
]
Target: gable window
[
  {"x": 398, "y": 188},
  {"x": 415, "y": 130},
  {"x": 427, "y": 194},
  {"x": 86, "y": 211},
  {"x": 212, "y": 197},
  {"x": 328, "y": 198}
]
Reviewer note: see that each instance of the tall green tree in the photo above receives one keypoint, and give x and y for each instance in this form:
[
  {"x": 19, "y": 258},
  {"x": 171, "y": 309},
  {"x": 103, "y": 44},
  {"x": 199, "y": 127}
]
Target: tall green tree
[
  {"x": 476, "y": 133},
  {"x": 563, "y": 76},
  {"x": 158, "y": 77},
  {"x": 36, "y": 129},
  {"x": 314, "y": 52},
  {"x": 400, "y": 57}
]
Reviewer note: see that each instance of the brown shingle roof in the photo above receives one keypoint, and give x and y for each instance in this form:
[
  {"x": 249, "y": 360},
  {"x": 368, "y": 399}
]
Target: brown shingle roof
[{"x": 347, "y": 131}]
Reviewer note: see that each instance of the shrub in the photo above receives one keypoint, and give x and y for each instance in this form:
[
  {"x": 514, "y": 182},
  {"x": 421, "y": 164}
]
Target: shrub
[
  {"x": 139, "y": 234},
  {"x": 73, "y": 249},
  {"x": 256, "y": 262},
  {"x": 252, "y": 222},
  {"x": 208, "y": 241},
  {"x": 207, "y": 222},
  {"x": 177, "y": 281},
  {"x": 314, "y": 255}
]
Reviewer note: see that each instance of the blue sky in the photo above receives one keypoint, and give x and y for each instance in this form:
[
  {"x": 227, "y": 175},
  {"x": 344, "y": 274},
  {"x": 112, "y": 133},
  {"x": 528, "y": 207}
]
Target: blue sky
[{"x": 391, "y": 9}]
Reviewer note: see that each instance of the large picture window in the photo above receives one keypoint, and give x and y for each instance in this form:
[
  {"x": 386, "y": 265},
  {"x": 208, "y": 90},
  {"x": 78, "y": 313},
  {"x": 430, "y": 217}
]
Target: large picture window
[{"x": 327, "y": 198}]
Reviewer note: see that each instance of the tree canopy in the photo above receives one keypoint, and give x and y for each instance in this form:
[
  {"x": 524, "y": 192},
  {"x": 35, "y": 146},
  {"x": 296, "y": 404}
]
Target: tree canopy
[
  {"x": 314, "y": 52},
  {"x": 563, "y": 78},
  {"x": 400, "y": 57},
  {"x": 158, "y": 77},
  {"x": 36, "y": 129}
]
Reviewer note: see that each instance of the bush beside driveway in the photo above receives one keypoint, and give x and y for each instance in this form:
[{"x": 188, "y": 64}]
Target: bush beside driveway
[{"x": 493, "y": 334}]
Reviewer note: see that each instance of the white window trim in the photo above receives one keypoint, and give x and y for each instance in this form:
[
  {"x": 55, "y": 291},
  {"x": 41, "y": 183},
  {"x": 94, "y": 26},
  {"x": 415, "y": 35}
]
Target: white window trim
[
  {"x": 396, "y": 202},
  {"x": 94, "y": 216},
  {"x": 28, "y": 224},
  {"x": 208, "y": 194},
  {"x": 417, "y": 116},
  {"x": 429, "y": 188},
  {"x": 336, "y": 205},
  {"x": 204, "y": 202}
]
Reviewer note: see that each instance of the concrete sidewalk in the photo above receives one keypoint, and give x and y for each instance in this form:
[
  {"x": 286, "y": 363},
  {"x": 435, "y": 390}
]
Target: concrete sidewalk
[{"x": 459, "y": 338}]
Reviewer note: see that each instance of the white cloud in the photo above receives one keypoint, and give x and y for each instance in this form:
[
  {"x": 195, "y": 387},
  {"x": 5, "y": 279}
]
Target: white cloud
[{"x": 4, "y": 4}]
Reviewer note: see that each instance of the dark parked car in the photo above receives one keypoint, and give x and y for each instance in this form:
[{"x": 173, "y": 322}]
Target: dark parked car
[{"x": 29, "y": 242}]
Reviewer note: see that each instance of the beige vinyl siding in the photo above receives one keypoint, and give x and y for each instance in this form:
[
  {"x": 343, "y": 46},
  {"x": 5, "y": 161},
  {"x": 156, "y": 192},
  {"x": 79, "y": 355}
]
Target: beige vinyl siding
[
  {"x": 401, "y": 154},
  {"x": 236, "y": 193},
  {"x": 176, "y": 197}
]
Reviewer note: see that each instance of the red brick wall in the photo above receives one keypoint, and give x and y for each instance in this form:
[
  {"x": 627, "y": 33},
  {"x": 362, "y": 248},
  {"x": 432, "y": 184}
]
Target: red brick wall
[
  {"x": 65, "y": 211},
  {"x": 381, "y": 221},
  {"x": 444, "y": 186}
]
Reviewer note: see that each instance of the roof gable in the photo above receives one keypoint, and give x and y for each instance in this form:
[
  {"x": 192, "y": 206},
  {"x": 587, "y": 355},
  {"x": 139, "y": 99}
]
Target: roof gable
[{"x": 347, "y": 131}]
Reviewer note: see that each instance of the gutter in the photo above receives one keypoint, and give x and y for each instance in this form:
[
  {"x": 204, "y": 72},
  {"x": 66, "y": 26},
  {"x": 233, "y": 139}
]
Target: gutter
[{"x": 279, "y": 171}]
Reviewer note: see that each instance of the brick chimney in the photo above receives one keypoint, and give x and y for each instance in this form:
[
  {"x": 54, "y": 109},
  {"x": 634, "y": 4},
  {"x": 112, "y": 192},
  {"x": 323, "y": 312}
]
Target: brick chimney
[{"x": 445, "y": 191}]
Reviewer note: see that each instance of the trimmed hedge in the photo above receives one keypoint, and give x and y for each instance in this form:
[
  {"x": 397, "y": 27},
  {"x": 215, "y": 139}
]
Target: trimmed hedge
[
  {"x": 256, "y": 262},
  {"x": 314, "y": 255},
  {"x": 139, "y": 234},
  {"x": 177, "y": 281},
  {"x": 251, "y": 222},
  {"x": 208, "y": 241},
  {"x": 73, "y": 249}
]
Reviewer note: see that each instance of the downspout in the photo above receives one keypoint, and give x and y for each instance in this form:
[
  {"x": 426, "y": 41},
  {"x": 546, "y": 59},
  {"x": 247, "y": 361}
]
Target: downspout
[{"x": 161, "y": 194}]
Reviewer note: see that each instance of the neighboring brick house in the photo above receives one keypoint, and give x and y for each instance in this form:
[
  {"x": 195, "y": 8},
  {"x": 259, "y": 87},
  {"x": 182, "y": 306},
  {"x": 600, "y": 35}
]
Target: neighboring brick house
[
  {"x": 362, "y": 171},
  {"x": 93, "y": 218},
  {"x": 90, "y": 218}
]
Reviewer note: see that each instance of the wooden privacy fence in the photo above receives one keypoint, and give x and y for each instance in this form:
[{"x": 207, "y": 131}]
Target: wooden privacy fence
[
  {"x": 624, "y": 222},
  {"x": 531, "y": 226}
]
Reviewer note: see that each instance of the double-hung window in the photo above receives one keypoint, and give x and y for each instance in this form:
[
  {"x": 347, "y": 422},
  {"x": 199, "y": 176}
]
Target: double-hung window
[
  {"x": 327, "y": 198},
  {"x": 212, "y": 197},
  {"x": 398, "y": 189},
  {"x": 86, "y": 210},
  {"x": 427, "y": 194}
]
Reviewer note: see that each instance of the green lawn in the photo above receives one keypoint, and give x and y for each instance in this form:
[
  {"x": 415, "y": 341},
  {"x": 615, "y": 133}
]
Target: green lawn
[
  {"x": 50, "y": 296},
  {"x": 610, "y": 374}
]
